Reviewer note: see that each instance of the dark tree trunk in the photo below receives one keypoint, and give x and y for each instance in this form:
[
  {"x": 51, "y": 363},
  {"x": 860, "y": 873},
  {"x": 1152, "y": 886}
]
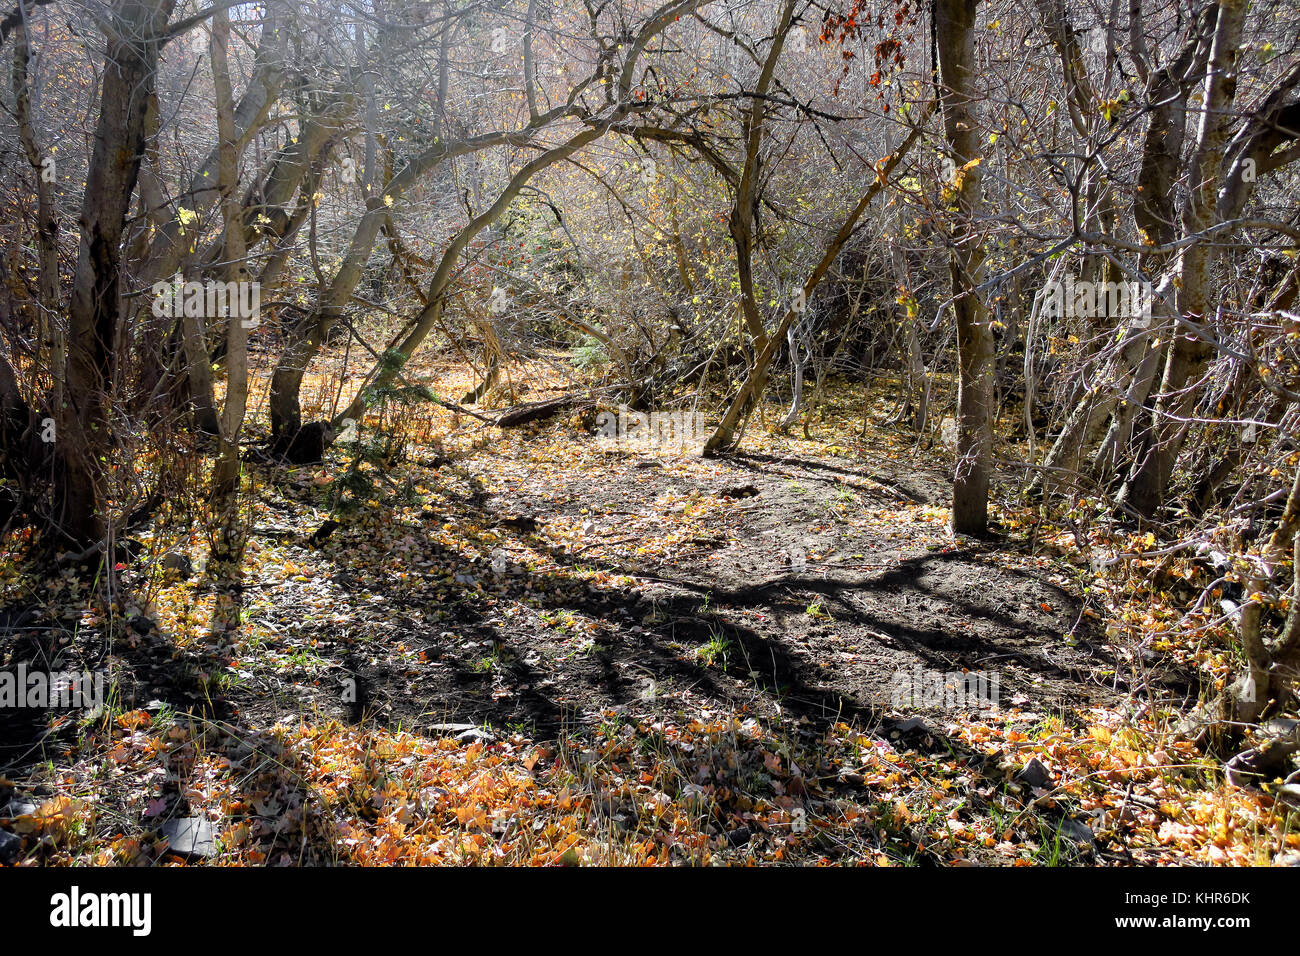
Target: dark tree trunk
[{"x": 95, "y": 308}]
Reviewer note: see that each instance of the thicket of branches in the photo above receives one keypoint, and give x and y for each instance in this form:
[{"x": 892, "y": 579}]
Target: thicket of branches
[{"x": 707, "y": 203}]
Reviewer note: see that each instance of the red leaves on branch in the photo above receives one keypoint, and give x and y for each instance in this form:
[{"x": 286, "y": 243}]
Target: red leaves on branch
[
  {"x": 887, "y": 48},
  {"x": 841, "y": 28}
]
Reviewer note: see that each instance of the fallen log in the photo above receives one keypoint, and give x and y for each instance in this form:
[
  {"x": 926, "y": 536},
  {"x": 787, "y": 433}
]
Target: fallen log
[{"x": 535, "y": 411}]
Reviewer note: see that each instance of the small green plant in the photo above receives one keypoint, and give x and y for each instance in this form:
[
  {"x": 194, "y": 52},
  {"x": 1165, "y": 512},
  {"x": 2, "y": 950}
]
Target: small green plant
[
  {"x": 718, "y": 646},
  {"x": 560, "y": 620},
  {"x": 1048, "y": 726}
]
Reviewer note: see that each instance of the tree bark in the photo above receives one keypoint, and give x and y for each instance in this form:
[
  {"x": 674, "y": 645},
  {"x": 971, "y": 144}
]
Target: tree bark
[
  {"x": 228, "y": 542},
  {"x": 50, "y": 325},
  {"x": 955, "y": 42},
  {"x": 133, "y": 41},
  {"x": 1180, "y": 388}
]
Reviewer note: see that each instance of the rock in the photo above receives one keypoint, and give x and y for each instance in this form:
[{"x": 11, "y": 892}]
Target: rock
[
  {"x": 1035, "y": 774},
  {"x": 451, "y": 728},
  {"x": 738, "y": 836},
  {"x": 10, "y": 846},
  {"x": 1258, "y": 764},
  {"x": 178, "y": 562},
  {"x": 1289, "y": 793},
  {"x": 912, "y": 723},
  {"x": 17, "y": 808},
  {"x": 1077, "y": 831},
  {"x": 1283, "y": 728},
  {"x": 190, "y": 836}
]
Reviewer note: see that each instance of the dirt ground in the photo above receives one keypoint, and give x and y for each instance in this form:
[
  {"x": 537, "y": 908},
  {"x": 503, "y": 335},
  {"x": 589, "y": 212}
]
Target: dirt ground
[
  {"x": 540, "y": 580},
  {"x": 823, "y": 637}
]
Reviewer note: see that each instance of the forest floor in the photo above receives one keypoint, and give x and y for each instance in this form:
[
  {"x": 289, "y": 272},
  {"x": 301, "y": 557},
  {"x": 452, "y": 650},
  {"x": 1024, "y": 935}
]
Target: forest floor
[{"x": 532, "y": 645}]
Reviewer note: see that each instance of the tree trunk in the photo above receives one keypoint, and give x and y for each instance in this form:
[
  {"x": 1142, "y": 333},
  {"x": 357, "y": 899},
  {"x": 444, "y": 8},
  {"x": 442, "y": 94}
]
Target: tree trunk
[
  {"x": 85, "y": 443},
  {"x": 1180, "y": 388},
  {"x": 228, "y": 542},
  {"x": 50, "y": 326},
  {"x": 955, "y": 40}
]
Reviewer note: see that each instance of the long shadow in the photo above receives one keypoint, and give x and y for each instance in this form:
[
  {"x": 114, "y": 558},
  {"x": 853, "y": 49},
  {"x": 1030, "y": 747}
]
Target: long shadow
[
  {"x": 501, "y": 686},
  {"x": 754, "y": 461},
  {"x": 905, "y": 579}
]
